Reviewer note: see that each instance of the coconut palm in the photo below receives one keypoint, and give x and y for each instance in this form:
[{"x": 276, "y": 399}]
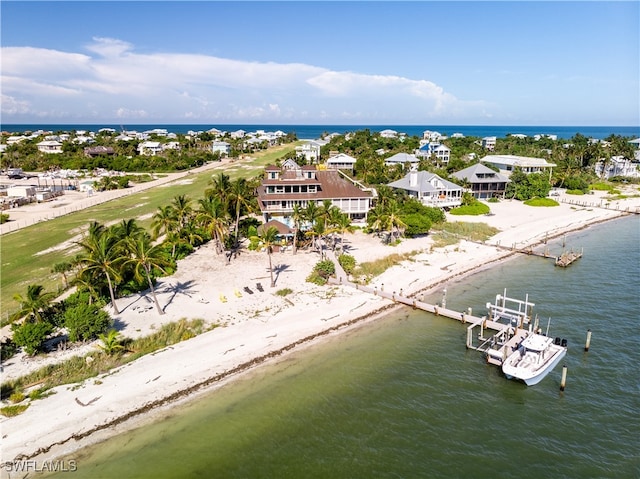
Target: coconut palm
[
  {"x": 146, "y": 257},
  {"x": 396, "y": 224},
  {"x": 296, "y": 217},
  {"x": 110, "y": 342},
  {"x": 311, "y": 215},
  {"x": 240, "y": 197},
  {"x": 181, "y": 205},
  {"x": 268, "y": 239},
  {"x": 34, "y": 304},
  {"x": 220, "y": 188},
  {"x": 102, "y": 255},
  {"x": 213, "y": 217},
  {"x": 63, "y": 268},
  {"x": 164, "y": 220}
]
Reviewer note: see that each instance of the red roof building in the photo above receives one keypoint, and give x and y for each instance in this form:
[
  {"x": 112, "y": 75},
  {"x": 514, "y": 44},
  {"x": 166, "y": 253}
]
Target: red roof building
[{"x": 283, "y": 187}]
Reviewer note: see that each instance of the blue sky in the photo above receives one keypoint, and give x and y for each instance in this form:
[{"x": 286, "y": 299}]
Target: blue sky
[{"x": 331, "y": 62}]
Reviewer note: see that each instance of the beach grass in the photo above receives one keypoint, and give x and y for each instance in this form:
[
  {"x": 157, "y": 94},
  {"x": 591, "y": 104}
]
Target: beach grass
[
  {"x": 371, "y": 269},
  {"x": 29, "y": 254},
  {"x": 79, "y": 368}
]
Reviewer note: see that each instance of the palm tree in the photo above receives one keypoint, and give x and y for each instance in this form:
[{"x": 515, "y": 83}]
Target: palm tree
[
  {"x": 110, "y": 342},
  {"x": 311, "y": 215},
  {"x": 182, "y": 207},
  {"x": 240, "y": 197},
  {"x": 396, "y": 224},
  {"x": 343, "y": 226},
  {"x": 102, "y": 255},
  {"x": 213, "y": 217},
  {"x": 145, "y": 257},
  {"x": 378, "y": 218},
  {"x": 268, "y": 239},
  {"x": 34, "y": 304},
  {"x": 164, "y": 221},
  {"x": 127, "y": 229},
  {"x": 220, "y": 188},
  {"x": 63, "y": 268},
  {"x": 296, "y": 217}
]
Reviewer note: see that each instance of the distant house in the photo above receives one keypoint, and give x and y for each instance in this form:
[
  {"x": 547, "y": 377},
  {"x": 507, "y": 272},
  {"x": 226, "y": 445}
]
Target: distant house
[
  {"x": 310, "y": 151},
  {"x": 221, "y": 146},
  {"x": 484, "y": 183},
  {"x": 432, "y": 136},
  {"x": 93, "y": 151},
  {"x": 389, "y": 134},
  {"x": 430, "y": 189},
  {"x": 341, "y": 161},
  {"x": 636, "y": 144},
  {"x": 149, "y": 148},
  {"x": 442, "y": 153},
  {"x": 507, "y": 163},
  {"x": 617, "y": 166},
  {"x": 489, "y": 143},
  {"x": 289, "y": 185},
  {"x": 402, "y": 159},
  {"x": 50, "y": 146}
]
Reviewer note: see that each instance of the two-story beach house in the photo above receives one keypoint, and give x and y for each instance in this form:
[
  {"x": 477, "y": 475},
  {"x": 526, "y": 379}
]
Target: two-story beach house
[
  {"x": 507, "y": 163},
  {"x": 222, "y": 147},
  {"x": 341, "y": 161},
  {"x": 484, "y": 183},
  {"x": 310, "y": 151},
  {"x": 50, "y": 146},
  {"x": 402, "y": 159},
  {"x": 430, "y": 189},
  {"x": 289, "y": 185},
  {"x": 442, "y": 153},
  {"x": 489, "y": 143}
]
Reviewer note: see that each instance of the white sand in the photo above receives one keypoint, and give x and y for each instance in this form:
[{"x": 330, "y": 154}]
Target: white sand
[{"x": 255, "y": 326}]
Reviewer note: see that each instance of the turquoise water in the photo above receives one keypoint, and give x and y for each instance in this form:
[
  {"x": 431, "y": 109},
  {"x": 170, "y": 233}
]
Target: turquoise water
[{"x": 402, "y": 397}]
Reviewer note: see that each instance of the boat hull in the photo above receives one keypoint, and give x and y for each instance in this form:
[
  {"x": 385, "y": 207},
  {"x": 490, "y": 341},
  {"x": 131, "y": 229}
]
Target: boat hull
[{"x": 532, "y": 376}]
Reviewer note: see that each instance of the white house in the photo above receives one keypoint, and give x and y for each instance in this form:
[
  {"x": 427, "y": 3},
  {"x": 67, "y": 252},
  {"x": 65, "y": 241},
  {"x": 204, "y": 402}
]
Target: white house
[
  {"x": 50, "y": 146},
  {"x": 389, "y": 134},
  {"x": 636, "y": 144},
  {"x": 440, "y": 151},
  {"x": 222, "y": 146},
  {"x": 617, "y": 166},
  {"x": 149, "y": 148},
  {"x": 402, "y": 159},
  {"x": 310, "y": 151},
  {"x": 489, "y": 143},
  {"x": 430, "y": 189},
  {"x": 341, "y": 161},
  {"x": 507, "y": 163},
  {"x": 432, "y": 136}
]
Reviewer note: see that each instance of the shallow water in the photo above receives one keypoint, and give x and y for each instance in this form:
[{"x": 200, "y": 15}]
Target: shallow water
[{"x": 402, "y": 397}]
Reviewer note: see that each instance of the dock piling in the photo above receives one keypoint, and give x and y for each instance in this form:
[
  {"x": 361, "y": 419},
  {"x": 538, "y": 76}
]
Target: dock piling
[
  {"x": 588, "y": 343},
  {"x": 563, "y": 381}
]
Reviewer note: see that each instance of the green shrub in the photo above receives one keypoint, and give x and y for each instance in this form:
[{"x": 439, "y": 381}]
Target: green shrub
[
  {"x": 575, "y": 192},
  {"x": 16, "y": 397},
  {"x": 541, "y": 202},
  {"x": 31, "y": 336},
  {"x": 417, "y": 224},
  {"x": 493, "y": 199},
  {"x": 321, "y": 272},
  {"x": 4, "y": 218},
  {"x": 284, "y": 292},
  {"x": 10, "y": 411},
  {"x": 347, "y": 262},
  {"x": 475, "y": 209},
  {"x": 7, "y": 349},
  {"x": 86, "y": 321}
]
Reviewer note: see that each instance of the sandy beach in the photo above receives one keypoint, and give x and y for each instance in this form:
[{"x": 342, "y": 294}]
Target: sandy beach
[{"x": 257, "y": 326}]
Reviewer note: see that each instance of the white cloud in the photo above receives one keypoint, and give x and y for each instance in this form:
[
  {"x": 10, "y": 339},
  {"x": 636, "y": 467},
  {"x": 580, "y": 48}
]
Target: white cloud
[{"x": 167, "y": 86}]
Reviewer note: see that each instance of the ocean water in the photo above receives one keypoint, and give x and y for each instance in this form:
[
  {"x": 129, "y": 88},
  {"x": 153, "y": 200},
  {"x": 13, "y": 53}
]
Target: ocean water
[
  {"x": 315, "y": 131},
  {"x": 401, "y": 397}
]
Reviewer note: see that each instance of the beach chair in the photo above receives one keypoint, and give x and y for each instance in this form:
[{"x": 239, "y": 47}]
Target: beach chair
[
  {"x": 223, "y": 298},
  {"x": 237, "y": 293},
  {"x": 259, "y": 287},
  {"x": 247, "y": 290}
]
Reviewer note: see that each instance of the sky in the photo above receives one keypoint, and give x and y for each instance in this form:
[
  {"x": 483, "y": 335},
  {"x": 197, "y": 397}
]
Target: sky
[{"x": 328, "y": 62}]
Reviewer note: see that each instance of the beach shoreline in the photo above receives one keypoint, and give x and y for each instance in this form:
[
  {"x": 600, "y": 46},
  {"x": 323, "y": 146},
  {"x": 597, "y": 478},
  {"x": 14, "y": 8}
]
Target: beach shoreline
[{"x": 259, "y": 327}]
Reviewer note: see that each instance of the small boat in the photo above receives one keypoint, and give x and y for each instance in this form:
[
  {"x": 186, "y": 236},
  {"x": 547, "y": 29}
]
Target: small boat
[{"x": 534, "y": 358}]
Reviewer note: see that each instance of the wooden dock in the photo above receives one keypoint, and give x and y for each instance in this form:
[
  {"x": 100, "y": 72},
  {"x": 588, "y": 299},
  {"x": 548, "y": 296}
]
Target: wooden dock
[
  {"x": 568, "y": 257},
  {"x": 502, "y": 339}
]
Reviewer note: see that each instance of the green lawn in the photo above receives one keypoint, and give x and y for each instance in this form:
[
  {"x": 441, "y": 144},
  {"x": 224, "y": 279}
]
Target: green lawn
[{"x": 22, "y": 262}]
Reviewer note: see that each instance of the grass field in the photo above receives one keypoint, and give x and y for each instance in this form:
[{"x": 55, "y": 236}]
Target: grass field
[{"x": 28, "y": 255}]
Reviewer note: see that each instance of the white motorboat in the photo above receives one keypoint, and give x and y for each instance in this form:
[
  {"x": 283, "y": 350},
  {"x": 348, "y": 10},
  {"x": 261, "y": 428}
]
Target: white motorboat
[{"x": 534, "y": 358}]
